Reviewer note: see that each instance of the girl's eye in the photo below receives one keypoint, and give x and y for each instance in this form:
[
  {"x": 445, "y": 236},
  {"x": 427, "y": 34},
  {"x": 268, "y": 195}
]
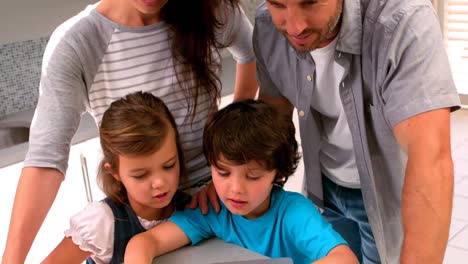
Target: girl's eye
[
  {"x": 222, "y": 173},
  {"x": 138, "y": 177},
  {"x": 168, "y": 167}
]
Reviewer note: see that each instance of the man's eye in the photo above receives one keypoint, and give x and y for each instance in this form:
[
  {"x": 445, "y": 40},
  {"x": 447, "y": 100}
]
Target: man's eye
[{"x": 276, "y": 5}]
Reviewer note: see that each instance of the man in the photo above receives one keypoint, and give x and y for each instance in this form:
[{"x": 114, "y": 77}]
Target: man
[{"x": 373, "y": 90}]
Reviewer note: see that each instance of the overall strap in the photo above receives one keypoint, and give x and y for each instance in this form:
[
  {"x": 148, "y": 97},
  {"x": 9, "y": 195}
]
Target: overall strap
[{"x": 127, "y": 225}]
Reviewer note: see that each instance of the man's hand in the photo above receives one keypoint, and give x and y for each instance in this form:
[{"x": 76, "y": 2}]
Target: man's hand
[{"x": 200, "y": 199}]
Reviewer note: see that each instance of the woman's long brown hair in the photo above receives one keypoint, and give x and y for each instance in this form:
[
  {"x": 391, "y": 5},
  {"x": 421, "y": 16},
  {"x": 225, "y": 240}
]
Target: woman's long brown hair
[{"x": 194, "y": 25}]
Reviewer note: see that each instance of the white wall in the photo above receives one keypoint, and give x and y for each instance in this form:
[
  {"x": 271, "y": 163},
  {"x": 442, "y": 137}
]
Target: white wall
[{"x": 31, "y": 19}]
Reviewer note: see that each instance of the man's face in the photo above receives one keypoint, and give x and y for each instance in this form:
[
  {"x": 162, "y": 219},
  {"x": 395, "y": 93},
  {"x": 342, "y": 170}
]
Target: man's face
[{"x": 307, "y": 24}]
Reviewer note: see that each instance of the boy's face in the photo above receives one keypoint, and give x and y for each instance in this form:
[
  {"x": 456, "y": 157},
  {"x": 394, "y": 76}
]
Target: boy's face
[{"x": 244, "y": 189}]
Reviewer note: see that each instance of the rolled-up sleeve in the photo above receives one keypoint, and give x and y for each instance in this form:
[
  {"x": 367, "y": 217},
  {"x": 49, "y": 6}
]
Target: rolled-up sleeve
[{"x": 417, "y": 71}]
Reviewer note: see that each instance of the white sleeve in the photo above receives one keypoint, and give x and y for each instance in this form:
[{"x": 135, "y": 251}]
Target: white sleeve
[
  {"x": 93, "y": 230},
  {"x": 237, "y": 33}
]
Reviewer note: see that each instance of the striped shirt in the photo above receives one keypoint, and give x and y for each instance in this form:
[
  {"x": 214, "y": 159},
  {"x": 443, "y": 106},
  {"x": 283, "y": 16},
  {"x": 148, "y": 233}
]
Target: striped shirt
[{"x": 91, "y": 61}]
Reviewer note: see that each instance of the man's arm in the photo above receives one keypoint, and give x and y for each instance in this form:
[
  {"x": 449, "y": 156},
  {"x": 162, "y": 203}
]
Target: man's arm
[
  {"x": 428, "y": 186},
  {"x": 159, "y": 240},
  {"x": 35, "y": 194},
  {"x": 246, "y": 84}
]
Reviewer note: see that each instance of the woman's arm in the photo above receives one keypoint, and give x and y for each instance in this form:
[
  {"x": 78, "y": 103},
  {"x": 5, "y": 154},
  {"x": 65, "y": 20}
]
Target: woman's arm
[
  {"x": 341, "y": 254},
  {"x": 159, "y": 240},
  {"x": 246, "y": 84},
  {"x": 67, "y": 252},
  {"x": 34, "y": 196}
]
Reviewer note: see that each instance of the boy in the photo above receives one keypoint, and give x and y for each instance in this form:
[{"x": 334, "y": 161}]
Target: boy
[{"x": 252, "y": 151}]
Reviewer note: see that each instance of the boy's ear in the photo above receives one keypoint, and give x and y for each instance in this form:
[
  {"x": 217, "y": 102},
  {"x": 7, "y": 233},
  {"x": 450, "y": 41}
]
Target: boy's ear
[{"x": 109, "y": 169}]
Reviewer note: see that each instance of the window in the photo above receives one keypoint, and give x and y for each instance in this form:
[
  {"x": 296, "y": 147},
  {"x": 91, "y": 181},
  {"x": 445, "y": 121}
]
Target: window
[{"x": 454, "y": 18}]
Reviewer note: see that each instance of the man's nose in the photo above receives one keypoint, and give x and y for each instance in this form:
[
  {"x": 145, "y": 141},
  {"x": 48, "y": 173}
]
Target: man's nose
[{"x": 295, "y": 23}]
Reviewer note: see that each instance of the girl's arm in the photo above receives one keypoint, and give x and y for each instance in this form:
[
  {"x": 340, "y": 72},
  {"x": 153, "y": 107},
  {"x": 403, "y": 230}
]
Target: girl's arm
[
  {"x": 159, "y": 240},
  {"x": 67, "y": 252},
  {"x": 341, "y": 254}
]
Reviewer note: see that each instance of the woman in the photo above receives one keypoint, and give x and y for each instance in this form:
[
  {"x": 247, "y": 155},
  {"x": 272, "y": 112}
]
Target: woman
[{"x": 110, "y": 49}]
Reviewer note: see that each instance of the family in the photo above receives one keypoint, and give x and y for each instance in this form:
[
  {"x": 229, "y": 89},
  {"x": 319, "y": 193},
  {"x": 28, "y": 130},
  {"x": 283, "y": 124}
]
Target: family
[{"x": 372, "y": 87}]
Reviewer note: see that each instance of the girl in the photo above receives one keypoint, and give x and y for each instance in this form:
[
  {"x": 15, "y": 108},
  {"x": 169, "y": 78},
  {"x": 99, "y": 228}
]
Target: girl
[
  {"x": 116, "y": 47},
  {"x": 139, "y": 175}
]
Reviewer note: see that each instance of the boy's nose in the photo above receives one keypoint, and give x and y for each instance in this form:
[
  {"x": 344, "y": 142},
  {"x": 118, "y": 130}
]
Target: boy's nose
[{"x": 237, "y": 185}]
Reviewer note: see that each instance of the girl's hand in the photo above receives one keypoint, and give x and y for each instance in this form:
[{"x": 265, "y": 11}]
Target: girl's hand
[
  {"x": 136, "y": 251},
  {"x": 200, "y": 199}
]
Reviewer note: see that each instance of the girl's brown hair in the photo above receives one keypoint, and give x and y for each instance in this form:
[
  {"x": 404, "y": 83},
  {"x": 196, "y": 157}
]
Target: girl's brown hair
[
  {"x": 195, "y": 25},
  {"x": 134, "y": 125}
]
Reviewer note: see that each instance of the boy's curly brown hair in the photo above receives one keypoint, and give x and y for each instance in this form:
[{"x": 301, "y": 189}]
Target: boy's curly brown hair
[{"x": 253, "y": 130}]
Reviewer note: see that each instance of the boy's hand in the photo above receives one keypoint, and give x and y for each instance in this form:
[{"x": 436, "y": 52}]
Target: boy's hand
[{"x": 200, "y": 199}]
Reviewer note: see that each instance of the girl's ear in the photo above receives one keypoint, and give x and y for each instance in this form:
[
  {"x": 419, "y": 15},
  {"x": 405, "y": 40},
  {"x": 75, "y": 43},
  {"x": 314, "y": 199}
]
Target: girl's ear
[{"x": 109, "y": 169}]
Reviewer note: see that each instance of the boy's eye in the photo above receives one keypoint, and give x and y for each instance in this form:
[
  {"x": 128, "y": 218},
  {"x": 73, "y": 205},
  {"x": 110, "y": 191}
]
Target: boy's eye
[{"x": 253, "y": 177}]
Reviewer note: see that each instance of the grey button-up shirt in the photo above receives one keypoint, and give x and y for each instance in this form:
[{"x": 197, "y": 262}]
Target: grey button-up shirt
[{"x": 395, "y": 67}]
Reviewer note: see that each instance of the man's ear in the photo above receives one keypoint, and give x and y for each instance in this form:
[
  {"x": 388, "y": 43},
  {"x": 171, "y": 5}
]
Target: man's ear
[{"x": 109, "y": 169}]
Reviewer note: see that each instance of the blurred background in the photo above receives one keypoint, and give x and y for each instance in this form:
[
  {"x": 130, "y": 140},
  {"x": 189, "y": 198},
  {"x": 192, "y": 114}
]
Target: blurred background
[{"x": 25, "y": 27}]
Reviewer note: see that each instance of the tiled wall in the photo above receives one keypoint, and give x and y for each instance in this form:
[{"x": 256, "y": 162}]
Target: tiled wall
[{"x": 20, "y": 68}]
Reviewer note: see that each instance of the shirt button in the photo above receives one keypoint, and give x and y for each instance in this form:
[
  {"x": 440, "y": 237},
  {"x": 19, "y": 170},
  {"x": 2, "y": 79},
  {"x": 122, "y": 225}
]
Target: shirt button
[
  {"x": 301, "y": 113},
  {"x": 309, "y": 78}
]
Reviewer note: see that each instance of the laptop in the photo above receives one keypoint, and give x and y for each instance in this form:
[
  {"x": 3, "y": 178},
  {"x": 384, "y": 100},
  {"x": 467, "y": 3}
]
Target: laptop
[{"x": 260, "y": 261}]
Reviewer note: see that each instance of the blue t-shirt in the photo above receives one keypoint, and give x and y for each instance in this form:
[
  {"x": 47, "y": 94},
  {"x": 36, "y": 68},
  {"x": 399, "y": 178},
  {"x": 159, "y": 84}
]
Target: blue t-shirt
[{"x": 292, "y": 227}]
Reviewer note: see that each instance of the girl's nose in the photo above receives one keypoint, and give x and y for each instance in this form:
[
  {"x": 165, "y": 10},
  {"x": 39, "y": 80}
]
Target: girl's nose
[{"x": 157, "y": 182}]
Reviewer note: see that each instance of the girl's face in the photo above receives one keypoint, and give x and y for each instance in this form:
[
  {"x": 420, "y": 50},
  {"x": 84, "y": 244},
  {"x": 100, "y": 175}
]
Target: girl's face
[
  {"x": 244, "y": 189},
  {"x": 152, "y": 180}
]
